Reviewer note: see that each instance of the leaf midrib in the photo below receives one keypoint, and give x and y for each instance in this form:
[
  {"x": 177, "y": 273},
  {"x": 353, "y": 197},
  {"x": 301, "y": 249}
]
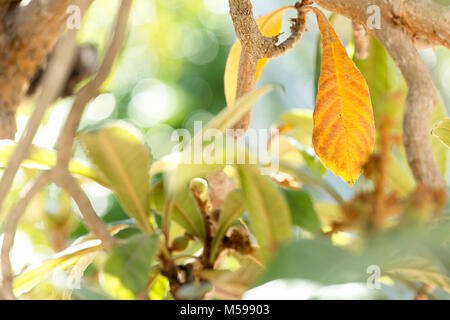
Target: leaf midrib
[{"x": 122, "y": 171}]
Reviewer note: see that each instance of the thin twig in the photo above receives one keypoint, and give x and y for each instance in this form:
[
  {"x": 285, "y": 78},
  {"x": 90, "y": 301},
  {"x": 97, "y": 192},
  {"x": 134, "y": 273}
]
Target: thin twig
[
  {"x": 90, "y": 91},
  {"x": 67, "y": 182},
  {"x": 9, "y": 230},
  {"x": 255, "y": 46},
  {"x": 60, "y": 173},
  {"x": 53, "y": 83}
]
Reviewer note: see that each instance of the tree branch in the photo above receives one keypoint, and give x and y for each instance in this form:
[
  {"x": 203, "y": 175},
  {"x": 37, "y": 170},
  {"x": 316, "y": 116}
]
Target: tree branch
[
  {"x": 397, "y": 36},
  {"x": 60, "y": 173},
  {"x": 53, "y": 83},
  {"x": 422, "y": 19},
  {"x": 361, "y": 41},
  {"x": 255, "y": 46},
  {"x": 90, "y": 91},
  {"x": 64, "y": 179},
  {"x": 28, "y": 34},
  {"x": 9, "y": 231},
  {"x": 420, "y": 102}
]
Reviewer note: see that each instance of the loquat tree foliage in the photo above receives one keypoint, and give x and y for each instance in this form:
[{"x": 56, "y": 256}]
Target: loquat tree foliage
[{"x": 188, "y": 227}]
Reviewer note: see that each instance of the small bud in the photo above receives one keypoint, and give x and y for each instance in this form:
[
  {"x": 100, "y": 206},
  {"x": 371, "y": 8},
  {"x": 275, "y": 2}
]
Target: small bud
[
  {"x": 199, "y": 188},
  {"x": 180, "y": 243}
]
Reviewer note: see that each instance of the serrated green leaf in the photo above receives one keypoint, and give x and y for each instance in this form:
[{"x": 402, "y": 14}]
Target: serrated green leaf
[
  {"x": 122, "y": 157},
  {"x": 130, "y": 262},
  {"x": 269, "y": 213},
  {"x": 232, "y": 209},
  {"x": 302, "y": 211}
]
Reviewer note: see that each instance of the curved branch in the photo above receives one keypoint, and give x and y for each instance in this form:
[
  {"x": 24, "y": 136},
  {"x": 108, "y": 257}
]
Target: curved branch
[
  {"x": 90, "y": 91},
  {"x": 53, "y": 83},
  {"x": 423, "y": 19},
  {"x": 9, "y": 231},
  {"x": 65, "y": 180},
  {"x": 420, "y": 102},
  {"x": 60, "y": 173}
]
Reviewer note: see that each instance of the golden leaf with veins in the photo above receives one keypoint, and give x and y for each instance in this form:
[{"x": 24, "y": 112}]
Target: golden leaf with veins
[{"x": 344, "y": 128}]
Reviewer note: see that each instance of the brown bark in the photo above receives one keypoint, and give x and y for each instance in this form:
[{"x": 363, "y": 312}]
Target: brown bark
[
  {"x": 423, "y": 19},
  {"x": 361, "y": 41},
  {"x": 255, "y": 46},
  {"x": 27, "y": 35}
]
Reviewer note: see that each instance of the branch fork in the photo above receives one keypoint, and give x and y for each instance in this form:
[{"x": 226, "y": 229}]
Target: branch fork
[{"x": 255, "y": 46}]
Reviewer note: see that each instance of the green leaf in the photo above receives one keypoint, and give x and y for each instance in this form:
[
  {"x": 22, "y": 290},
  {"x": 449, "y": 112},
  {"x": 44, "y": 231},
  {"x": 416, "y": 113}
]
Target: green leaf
[
  {"x": 60, "y": 261},
  {"x": 314, "y": 163},
  {"x": 234, "y": 282},
  {"x": 232, "y": 209},
  {"x": 442, "y": 131},
  {"x": 269, "y": 213},
  {"x": 316, "y": 260},
  {"x": 130, "y": 262},
  {"x": 186, "y": 213},
  {"x": 183, "y": 167},
  {"x": 160, "y": 288},
  {"x": 319, "y": 260},
  {"x": 41, "y": 158},
  {"x": 302, "y": 211},
  {"x": 124, "y": 160},
  {"x": 82, "y": 247},
  {"x": 87, "y": 293},
  {"x": 420, "y": 269},
  {"x": 379, "y": 71}
]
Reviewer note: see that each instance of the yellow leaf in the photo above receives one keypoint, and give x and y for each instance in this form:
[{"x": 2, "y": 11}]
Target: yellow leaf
[
  {"x": 270, "y": 26},
  {"x": 344, "y": 129}
]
